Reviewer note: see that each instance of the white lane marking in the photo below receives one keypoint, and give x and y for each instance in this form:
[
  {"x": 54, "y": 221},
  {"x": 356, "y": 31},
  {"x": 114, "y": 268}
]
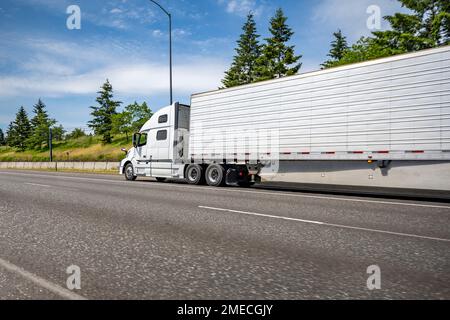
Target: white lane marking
[
  {"x": 60, "y": 291},
  {"x": 323, "y": 223},
  {"x": 238, "y": 191},
  {"x": 38, "y": 185}
]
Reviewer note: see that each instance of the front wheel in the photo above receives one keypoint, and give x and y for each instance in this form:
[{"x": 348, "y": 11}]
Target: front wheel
[{"x": 129, "y": 173}]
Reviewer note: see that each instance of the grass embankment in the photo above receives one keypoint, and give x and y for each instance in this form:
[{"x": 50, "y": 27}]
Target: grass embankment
[{"x": 89, "y": 148}]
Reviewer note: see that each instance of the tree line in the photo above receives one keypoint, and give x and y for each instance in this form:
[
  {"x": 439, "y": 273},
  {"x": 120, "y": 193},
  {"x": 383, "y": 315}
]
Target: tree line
[
  {"x": 427, "y": 26},
  {"x": 33, "y": 134}
]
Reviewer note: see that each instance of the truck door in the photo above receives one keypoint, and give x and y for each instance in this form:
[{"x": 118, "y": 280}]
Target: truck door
[{"x": 142, "y": 156}]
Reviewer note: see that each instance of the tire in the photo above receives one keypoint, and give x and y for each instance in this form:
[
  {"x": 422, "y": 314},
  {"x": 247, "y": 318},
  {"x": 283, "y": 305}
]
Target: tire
[
  {"x": 215, "y": 175},
  {"x": 129, "y": 173},
  {"x": 161, "y": 180},
  {"x": 195, "y": 175}
]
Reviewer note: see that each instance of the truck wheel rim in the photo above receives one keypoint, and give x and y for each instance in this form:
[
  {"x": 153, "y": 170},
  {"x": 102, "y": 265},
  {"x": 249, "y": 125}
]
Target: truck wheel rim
[
  {"x": 130, "y": 172},
  {"x": 193, "y": 174},
  {"x": 214, "y": 175}
]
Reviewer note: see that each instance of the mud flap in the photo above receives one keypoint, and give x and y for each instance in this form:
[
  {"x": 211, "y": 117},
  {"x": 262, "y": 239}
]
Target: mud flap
[{"x": 232, "y": 177}]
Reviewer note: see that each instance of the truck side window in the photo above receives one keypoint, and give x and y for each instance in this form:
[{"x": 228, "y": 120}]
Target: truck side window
[
  {"x": 163, "y": 119},
  {"x": 142, "y": 140},
  {"x": 161, "y": 135}
]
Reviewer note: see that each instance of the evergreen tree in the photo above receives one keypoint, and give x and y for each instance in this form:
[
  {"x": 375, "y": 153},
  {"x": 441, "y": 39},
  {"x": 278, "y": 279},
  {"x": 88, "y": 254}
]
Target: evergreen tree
[
  {"x": 21, "y": 130},
  {"x": 102, "y": 122},
  {"x": 278, "y": 59},
  {"x": 10, "y": 135},
  {"x": 58, "y": 133},
  {"x": 40, "y": 126},
  {"x": 435, "y": 19},
  {"x": 243, "y": 68},
  {"x": 428, "y": 26},
  {"x": 338, "y": 48},
  {"x": 2, "y": 138}
]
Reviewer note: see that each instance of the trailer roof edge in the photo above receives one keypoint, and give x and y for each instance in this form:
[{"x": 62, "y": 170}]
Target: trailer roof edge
[{"x": 397, "y": 57}]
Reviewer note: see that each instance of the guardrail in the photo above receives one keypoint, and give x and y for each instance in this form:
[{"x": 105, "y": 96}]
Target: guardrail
[{"x": 78, "y": 166}]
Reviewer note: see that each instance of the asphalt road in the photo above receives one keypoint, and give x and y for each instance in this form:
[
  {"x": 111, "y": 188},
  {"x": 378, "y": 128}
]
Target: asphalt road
[{"x": 147, "y": 240}]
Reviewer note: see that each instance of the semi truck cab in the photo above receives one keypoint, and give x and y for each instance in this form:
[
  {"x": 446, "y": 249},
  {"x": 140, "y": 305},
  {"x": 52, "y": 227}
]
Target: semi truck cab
[{"x": 161, "y": 150}]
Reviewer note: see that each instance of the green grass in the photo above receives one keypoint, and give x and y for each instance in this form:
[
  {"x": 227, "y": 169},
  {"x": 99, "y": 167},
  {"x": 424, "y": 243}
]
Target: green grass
[{"x": 88, "y": 148}]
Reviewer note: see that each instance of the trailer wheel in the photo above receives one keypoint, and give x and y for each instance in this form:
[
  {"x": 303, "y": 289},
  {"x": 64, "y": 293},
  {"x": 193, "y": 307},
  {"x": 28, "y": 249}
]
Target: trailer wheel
[
  {"x": 195, "y": 174},
  {"x": 215, "y": 175},
  {"x": 129, "y": 172}
]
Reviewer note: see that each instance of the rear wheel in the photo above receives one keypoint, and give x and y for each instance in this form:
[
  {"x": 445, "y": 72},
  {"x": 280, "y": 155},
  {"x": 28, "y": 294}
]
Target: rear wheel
[
  {"x": 194, "y": 174},
  {"x": 215, "y": 175},
  {"x": 129, "y": 172}
]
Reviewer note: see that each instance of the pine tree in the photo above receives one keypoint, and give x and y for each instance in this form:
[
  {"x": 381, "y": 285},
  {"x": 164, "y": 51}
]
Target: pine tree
[
  {"x": 58, "y": 133},
  {"x": 102, "y": 122},
  {"x": 243, "y": 68},
  {"x": 338, "y": 48},
  {"x": 21, "y": 130},
  {"x": 2, "y": 138},
  {"x": 10, "y": 135},
  {"x": 435, "y": 19},
  {"x": 278, "y": 59},
  {"x": 40, "y": 126},
  {"x": 428, "y": 26}
]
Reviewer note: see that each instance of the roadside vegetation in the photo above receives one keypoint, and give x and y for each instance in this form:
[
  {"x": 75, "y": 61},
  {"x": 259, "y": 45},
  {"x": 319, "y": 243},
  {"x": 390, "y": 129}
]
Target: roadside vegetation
[
  {"x": 86, "y": 148},
  {"x": 28, "y": 140}
]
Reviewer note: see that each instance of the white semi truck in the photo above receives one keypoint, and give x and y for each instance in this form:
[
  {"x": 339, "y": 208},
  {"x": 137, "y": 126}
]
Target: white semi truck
[{"x": 382, "y": 123}]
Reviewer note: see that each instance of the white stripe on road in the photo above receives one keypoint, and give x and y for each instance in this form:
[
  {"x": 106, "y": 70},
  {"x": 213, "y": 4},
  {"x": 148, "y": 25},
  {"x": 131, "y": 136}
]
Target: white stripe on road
[
  {"x": 38, "y": 185},
  {"x": 60, "y": 291},
  {"x": 323, "y": 223},
  {"x": 408, "y": 204}
]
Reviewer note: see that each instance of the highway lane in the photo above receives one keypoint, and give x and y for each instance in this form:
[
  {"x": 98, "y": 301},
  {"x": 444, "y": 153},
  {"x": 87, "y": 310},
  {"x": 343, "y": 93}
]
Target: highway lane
[{"x": 147, "y": 240}]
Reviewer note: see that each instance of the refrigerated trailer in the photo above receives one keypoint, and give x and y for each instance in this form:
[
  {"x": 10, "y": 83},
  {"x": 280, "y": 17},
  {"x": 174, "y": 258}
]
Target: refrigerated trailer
[{"x": 384, "y": 122}]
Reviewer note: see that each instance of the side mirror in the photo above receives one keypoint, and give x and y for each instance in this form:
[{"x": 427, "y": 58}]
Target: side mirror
[
  {"x": 135, "y": 139},
  {"x": 124, "y": 150}
]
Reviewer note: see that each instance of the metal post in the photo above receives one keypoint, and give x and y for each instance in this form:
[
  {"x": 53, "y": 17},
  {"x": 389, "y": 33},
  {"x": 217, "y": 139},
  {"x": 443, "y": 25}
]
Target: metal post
[
  {"x": 170, "y": 54},
  {"x": 170, "y": 48},
  {"x": 50, "y": 144}
]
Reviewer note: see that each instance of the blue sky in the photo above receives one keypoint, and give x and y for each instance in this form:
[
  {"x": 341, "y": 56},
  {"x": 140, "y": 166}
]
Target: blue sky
[{"x": 126, "y": 41}]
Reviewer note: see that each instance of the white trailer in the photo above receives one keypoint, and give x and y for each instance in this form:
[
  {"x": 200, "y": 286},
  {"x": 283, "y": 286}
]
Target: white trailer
[{"x": 383, "y": 114}]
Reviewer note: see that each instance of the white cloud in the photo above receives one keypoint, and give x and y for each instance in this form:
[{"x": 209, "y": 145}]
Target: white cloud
[
  {"x": 127, "y": 79},
  {"x": 351, "y": 15},
  {"x": 242, "y": 7},
  {"x": 115, "y": 10},
  {"x": 157, "y": 33}
]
